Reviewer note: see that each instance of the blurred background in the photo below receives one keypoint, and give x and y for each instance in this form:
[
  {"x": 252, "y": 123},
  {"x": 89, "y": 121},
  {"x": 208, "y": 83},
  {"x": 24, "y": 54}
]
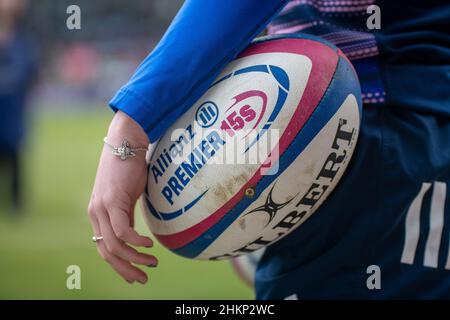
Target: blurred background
[{"x": 54, "y": 87}]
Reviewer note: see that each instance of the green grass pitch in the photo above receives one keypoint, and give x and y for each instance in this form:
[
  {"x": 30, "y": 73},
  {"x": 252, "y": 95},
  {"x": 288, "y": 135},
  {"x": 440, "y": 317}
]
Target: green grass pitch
[{"x": 61, "y": 157}]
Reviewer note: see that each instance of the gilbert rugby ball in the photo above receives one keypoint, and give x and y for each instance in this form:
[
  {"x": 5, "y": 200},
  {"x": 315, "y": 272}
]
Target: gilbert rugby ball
[{"x": 258, "y": 153}]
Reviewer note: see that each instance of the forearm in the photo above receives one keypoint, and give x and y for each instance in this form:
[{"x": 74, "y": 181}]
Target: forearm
[{"x": 124, "y": 127}]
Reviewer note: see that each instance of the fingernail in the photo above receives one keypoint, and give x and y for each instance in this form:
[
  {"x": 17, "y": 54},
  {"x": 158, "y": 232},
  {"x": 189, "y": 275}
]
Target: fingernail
[
  {"x": 154, "y": 263},
  {"x": 142, "y": 281}
]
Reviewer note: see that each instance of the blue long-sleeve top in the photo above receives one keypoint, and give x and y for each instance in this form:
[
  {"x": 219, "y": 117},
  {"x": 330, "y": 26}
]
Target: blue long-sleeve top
[
  {"x": 406, "y": 62},
  {"x": 202, "y": 39}
]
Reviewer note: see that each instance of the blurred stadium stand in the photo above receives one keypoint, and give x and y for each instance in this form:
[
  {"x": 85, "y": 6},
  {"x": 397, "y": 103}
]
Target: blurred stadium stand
[{"x": 81, "y": 69}]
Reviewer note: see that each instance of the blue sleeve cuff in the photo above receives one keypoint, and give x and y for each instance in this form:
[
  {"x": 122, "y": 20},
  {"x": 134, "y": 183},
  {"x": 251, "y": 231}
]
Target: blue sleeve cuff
[
  {"x": 201, "y": 40},
  {"x": 138, "y": 109}
]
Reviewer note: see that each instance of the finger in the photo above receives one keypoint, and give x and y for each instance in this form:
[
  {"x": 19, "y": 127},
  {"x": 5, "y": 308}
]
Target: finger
[
  {"x": 121, "y": 225},
  {"x": 94, "y": 223},
  {"x": 129, "y": 273},
  {"x": 125, "y": 269},
  {"x": 117, "y": 247}
]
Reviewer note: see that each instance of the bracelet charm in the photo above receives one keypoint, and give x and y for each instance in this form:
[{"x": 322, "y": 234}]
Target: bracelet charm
[{"x": 124, "y": 151}]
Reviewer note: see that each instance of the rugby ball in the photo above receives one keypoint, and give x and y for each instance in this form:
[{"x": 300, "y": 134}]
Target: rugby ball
[{"x": 258, "y": 153}]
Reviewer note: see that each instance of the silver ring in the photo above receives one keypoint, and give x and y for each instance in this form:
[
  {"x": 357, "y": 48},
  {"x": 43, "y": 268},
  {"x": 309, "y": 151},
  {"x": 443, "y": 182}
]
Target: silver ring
[{"x": 95, "y": 239}]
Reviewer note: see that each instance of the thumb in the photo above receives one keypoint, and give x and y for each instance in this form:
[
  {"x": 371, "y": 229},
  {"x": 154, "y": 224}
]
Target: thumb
[{"x": 122, "y": 223}]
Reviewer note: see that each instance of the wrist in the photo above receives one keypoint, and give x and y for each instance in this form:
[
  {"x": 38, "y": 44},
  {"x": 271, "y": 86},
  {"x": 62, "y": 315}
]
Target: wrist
[{"x": 124, "y": 127}]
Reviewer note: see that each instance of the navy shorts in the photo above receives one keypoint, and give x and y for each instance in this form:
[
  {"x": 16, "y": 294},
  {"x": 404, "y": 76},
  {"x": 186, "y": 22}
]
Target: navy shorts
[{"x": 384, "y": 232}]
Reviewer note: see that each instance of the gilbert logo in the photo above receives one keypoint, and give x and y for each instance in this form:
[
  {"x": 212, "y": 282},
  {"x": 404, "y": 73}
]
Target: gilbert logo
[
  {"x": 342, "y": 143},
  {"x": 270, "y": 207}
]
